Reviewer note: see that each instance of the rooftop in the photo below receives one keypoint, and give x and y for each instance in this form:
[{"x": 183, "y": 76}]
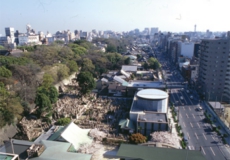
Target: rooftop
[
  {"x": 145, "y": 84},
  {"x": 152, "y": 117},
  {"x": 152, "y": 94},
  {"x": 59, "y": 151},
  {"x": 155, "y": 153},
  {"x": 216, "y": 105}
]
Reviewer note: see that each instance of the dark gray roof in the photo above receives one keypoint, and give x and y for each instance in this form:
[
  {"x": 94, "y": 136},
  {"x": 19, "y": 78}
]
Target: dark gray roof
[{"x": 154, "y": 153}]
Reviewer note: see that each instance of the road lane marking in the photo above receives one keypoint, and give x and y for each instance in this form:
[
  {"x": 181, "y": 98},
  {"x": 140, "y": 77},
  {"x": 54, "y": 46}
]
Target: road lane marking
[
  {"x": 189, "y": 108},
  {"x": 212, "y": 151},
  {"x": 188, "y": 135},
  {"x": 213, "y": 137},
  {"x": 191, "y": 124},
  {"x": 184, "y": 124},
  {"x": 204, "y": 136},
  {"x": 196, "y": 135},
  {"x": 183, "y": 108},
  {"x": 187, "y": 115},
  {"x": 200, "y": 117},
  {"x": 203, "y": 150},
  {"x": 193, "y": 116},
  {"x": 198, "y": 124}
]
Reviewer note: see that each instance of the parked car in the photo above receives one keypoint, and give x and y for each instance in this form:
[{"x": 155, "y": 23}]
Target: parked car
[
  {"x": 185, "y": 139},
  {"x": 188, "y": 91},
  {"x": 191, "y": 97},
  {"x": 181, "y": 98}
]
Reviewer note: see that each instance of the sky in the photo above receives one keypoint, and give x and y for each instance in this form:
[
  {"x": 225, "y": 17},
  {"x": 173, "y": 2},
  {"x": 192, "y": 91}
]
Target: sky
[{"x": 116, "y": 15}]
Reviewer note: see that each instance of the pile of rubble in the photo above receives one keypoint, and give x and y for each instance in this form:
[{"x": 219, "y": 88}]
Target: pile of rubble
[{"x": 32, "y": 128}]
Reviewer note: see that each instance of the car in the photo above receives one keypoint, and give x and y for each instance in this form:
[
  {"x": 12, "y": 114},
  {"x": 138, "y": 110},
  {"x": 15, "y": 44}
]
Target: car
[
  {"x": 185, "y": 139},
  {"x": 181, "y": 98},
  {"x": 188, "y": 91},
  {"x": 191, "y": 97},
  {"x": 199, "y": 108}
]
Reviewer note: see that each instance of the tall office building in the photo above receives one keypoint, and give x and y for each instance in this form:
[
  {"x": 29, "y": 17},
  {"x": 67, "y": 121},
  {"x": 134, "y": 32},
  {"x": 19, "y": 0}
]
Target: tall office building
[
  {"x": 214, "y": 69},
  {"x": 9, "y": 32}
]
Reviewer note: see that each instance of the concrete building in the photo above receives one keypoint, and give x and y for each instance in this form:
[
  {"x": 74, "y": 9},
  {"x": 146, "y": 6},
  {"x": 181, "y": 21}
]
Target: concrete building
[
  {"x": 148, "y": 111},
  {"x": 186, "y": 49},
  {"x": 9, "y": 31},
  {"x": 28, "y": 39},
  {"x": 153, "y": 31},
  {"x": 214, "y": 69}
]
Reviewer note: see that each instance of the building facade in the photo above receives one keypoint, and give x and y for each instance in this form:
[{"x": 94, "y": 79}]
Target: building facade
[{"x": 214, "y": 69}]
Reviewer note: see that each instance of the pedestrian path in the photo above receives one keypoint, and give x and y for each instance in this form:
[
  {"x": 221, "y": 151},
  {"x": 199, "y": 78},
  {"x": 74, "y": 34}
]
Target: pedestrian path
[{"x": 174, "y": 131}]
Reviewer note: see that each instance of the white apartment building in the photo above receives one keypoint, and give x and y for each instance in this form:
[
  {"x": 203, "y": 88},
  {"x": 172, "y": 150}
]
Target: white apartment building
[{"x": 28, "y": 39}]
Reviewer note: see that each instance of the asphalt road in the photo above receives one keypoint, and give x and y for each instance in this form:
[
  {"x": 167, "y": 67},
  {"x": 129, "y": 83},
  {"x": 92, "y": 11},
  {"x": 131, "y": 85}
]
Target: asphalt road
[{"x": 199, "y": 133}]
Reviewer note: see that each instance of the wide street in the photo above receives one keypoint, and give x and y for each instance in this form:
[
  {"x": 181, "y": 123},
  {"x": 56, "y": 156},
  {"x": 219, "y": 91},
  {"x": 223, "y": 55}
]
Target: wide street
[{"x": 198, "y": 133}]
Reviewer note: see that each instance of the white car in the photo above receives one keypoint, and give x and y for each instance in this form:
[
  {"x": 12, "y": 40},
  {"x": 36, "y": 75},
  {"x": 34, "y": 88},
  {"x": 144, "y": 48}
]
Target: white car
[
  {"x": 191, "y": 97},
  {"x": 181, "y": 98}
]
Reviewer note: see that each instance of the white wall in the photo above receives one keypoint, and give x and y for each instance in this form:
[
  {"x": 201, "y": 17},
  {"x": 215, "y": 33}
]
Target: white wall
[{"x": 187, "y": 49}]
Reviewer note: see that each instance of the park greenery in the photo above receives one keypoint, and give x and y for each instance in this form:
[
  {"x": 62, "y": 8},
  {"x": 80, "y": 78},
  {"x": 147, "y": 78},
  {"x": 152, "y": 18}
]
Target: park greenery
[{"x": 27, "y": 82}]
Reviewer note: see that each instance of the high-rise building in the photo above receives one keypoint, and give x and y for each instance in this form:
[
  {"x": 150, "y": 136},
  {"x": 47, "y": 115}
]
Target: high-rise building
[
  {"x": 9, "y": 32},
  {"x": 154, "y": 30},
  {"x": 214, "y": 69}
]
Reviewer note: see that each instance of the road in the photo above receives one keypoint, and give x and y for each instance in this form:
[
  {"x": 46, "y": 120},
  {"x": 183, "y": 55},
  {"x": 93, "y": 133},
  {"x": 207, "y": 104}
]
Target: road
[{"x": 199, "y": 133}]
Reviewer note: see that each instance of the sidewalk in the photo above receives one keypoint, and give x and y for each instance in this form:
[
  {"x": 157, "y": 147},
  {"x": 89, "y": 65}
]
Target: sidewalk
[
  {"x": 169, "y": 115},
  {"x": 225, "y": 148}
]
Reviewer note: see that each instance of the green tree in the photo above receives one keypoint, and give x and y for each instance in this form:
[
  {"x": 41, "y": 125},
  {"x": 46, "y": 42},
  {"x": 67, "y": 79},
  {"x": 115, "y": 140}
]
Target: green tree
[
  {"x": 111, "y": 48},
  {"x": 4, "y": 72},
  {"x": 86, "y": 82},
  {"x": 62, "y": 72},
  {"x": 137, "y": 138},
  {"x": 153, "y": 63},
  {"x": 46, "y": 95},
  {"x": 10, "y": 107},
  {"x": 127, "y": 61},
  {"x": 63, "y": 121},
  {"x": 73, "y": 67},
  {"x": 43, "y": 102},
  {"x": 87, "y": 65},
  {"x": 47, "y": 80}
]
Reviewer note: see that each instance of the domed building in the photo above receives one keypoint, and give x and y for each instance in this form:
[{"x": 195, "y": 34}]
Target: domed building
[{"x": 149, "y": 111}]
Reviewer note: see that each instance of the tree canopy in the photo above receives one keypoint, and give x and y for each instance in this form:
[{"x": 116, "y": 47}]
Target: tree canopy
[
  {"x": 137, "y": 138},
  {"x": 86, "y": 82},
  {"x": 46, "y": 95},
  {"x": 63, "y": 121},
  {"x": 153, "y": 63},
  {"x": 10, "y": 107},
  {"x": 4, "y": 72}
]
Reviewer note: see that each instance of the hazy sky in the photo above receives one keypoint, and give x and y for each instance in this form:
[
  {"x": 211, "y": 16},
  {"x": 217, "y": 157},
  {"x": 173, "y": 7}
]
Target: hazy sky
[{"x": 117, "y": 15}]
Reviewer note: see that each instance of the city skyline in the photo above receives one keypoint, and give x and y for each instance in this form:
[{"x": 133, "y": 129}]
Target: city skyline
[{"x": 175, "y": 16}]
